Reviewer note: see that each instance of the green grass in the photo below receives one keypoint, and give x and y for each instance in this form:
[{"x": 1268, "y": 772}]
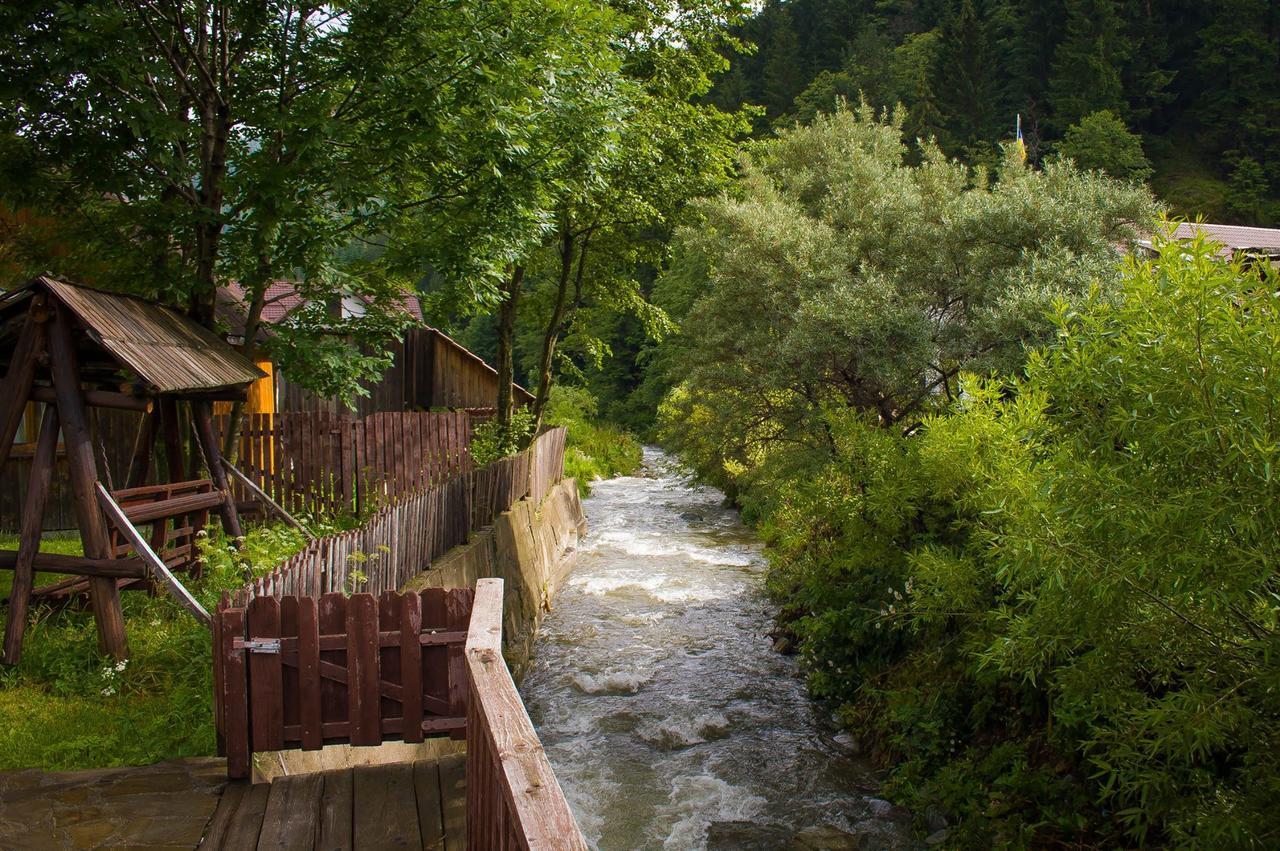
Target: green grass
[{"x": 65, "y": 706}]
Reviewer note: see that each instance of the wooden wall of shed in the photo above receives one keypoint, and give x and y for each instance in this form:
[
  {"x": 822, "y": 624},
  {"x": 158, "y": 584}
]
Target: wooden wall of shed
[
  {"x": 428, "y": 371},
  {"x": 115, "y": 429}
]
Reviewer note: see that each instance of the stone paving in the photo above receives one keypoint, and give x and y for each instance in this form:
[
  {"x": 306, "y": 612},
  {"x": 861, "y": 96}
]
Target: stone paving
[{"x": 167, "y": 805}]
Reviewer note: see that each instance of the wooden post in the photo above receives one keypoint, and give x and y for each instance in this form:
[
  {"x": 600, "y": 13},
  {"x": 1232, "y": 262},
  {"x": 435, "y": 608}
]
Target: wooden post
[
  {"x": 104, "y": 593},
  {"x": 15, "y": 387},
  {"x": 29, "y": 541},
  {"x": 144, "y": 445},
  {"x": 172, "y": 439},
  {"x": 202, "y": 414}
]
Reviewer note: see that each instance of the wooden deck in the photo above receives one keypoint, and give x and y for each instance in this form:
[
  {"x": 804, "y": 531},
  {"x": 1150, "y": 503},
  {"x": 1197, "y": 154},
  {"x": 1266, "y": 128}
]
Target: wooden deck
[{"x": 367, "y": 808}]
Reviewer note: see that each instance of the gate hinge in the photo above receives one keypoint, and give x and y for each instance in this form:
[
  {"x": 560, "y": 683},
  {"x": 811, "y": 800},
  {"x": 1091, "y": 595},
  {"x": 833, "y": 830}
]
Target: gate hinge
[{"x": 257, "y": 645}]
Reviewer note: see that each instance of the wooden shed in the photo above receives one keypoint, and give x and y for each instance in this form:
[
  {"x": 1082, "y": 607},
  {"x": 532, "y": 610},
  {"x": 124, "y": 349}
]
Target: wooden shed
[
  {"x": 430, "y": 370},
  {"x": 68, "y": 351}
]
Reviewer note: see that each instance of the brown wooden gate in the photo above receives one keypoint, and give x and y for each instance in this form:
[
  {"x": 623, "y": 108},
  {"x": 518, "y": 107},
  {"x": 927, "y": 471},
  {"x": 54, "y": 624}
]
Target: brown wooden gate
[{"x": 302, "y": 672}]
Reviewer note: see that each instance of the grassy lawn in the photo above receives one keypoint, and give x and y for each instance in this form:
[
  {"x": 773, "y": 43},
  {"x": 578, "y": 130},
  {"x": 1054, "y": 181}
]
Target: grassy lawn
[{"x": 65, "y": 706}]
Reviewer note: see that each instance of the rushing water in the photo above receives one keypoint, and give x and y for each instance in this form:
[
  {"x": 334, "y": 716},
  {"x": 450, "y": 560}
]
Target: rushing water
[{"x": 670, "y": 720}]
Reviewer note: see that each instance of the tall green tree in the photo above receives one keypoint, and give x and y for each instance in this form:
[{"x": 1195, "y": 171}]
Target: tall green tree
[
  {"x": 1088, "y": 64},
  {"x": 966, "y": 83},
  {"x": 202, "y": 141}
]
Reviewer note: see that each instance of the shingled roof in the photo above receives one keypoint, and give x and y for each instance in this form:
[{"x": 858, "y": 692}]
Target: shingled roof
[
  {"x": 1234, "y": 238},
  {"x": 152, "y": 344}
]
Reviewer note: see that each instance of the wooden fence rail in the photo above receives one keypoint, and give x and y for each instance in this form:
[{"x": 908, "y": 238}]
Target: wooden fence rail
[
  {"x": 406, "y": 535},
  {"x": 513, "y": 798}
]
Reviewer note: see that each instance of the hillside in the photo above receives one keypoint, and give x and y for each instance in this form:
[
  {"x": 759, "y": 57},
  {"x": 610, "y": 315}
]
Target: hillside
[{"x": 1196, "y": 81}]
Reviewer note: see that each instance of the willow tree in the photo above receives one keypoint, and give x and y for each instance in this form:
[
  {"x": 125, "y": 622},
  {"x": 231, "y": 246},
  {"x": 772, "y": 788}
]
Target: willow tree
[{"x": 836, "y": 274}]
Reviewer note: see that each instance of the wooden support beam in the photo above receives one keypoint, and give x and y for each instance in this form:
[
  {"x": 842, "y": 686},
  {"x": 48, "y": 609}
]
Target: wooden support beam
[
  {"x": 144, "y": 446},
  {"x": 174, "y": 468},
  {"x": 98, "y": 399},
  {"x": 207, "y": 436},
  {"x": 111, "y": 568},
  {"x": 104, "y": 593},
  {"x": 29, "y": 539},
  {"x": 149, "y": 557},
  {"x": 16, "y": 384},
  {"x": 262, "y": 495}
]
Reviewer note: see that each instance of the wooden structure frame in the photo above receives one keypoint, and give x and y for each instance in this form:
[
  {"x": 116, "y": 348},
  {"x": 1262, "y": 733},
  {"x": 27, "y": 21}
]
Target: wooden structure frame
[{"x": 73, "y": 348}]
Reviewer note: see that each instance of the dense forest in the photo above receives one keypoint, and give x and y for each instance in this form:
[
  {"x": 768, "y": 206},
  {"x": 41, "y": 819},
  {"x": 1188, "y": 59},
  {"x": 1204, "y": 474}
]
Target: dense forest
[{"x": 1196, "y": 81}]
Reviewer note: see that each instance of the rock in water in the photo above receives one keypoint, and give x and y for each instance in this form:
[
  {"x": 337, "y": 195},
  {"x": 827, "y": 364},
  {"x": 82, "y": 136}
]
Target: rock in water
[
  {"x": 745, "y": 836},
  {"x": 824, "y": 837}
]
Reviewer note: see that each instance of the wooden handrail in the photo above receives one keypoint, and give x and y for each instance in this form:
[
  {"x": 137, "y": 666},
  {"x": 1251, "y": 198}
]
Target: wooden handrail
[{"x": 513, "y": 798}]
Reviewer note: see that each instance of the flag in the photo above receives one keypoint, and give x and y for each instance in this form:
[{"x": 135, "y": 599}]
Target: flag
[{"x": 1022, "y": 146}]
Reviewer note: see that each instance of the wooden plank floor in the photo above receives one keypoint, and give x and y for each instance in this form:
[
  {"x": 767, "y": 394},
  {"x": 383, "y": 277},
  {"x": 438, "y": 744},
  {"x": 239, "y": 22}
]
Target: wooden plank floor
[{"x": 367, "y": 808}]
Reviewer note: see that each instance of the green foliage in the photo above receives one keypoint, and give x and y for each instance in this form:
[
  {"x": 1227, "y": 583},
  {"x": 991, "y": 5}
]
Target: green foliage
[
  {"x": 594, "y": 449},
  {"x": 1249, "y": 191},
  {"x": 1101, "y": 141},
  {"x": 492, "y": 441},
  {"x": 65, "y": 706},
  {"x": 838, "y": 274},
  {"x": 1052, "y": 608},
  {"x": 1087, "y": 63}
]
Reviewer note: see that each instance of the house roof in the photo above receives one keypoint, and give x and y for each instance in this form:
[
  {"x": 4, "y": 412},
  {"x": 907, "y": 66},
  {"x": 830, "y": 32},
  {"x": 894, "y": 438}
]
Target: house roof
[
  {"x": 160, "y": 348},
  {"x": 282, "y": 299},
  {"x": 1234, "y": 238}
]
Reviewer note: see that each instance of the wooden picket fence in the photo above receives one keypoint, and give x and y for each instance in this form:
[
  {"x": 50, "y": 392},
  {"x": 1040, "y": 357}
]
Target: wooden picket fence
[
  {"x": 330, "y": 463},
  {"x": 302, "y": 671},
  {"x": 406, "y": 535}
]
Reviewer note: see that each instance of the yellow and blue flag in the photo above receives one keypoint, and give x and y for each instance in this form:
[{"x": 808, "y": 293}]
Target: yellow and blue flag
[{"x": 1022, "y": 146}]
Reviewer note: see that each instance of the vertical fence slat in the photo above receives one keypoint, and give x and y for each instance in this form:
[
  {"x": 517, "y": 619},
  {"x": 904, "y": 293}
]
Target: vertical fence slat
[
  {"x": 265, "y": 676},
  {"x": 235, "y": 697},
  {"x": 310, "y": 714},
  {"x": 363, "y": 694},
  {"x": 411, "y": 666}
]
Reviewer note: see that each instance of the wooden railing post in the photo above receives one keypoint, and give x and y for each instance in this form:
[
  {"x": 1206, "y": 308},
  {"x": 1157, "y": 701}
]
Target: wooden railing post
[{"x": 513, "y": 798}]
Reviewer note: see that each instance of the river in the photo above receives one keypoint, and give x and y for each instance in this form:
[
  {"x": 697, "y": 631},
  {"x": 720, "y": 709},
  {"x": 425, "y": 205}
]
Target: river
[{"x": 669, "y": 719}]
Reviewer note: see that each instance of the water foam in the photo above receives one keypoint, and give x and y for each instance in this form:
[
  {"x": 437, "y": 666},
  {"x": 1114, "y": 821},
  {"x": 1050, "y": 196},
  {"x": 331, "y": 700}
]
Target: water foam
[
  {"x": 683, "y": 732},
  {"x": 698, "y": 800},
  {"x": 616, "y": 682}
]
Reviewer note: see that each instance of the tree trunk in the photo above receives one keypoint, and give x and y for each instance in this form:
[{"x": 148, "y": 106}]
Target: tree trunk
[
  {"x": 556, "y": 325},
  {"x": 552, "y": 334},
  {"x": 506, "y": 341}
]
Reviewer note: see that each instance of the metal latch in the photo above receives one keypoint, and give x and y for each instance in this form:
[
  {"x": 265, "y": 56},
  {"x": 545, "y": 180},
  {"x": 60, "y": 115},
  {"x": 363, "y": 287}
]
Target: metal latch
[{"x": 257, "y": 645}]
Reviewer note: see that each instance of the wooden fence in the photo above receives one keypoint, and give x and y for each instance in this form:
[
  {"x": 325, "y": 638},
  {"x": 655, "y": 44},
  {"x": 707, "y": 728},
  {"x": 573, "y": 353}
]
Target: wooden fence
[
  {"x": 513, "y": 798},
  {"x": 406, "y": 535},
  {"x": 302, "y": 672},
  {"x": 333, "y": 463}
]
